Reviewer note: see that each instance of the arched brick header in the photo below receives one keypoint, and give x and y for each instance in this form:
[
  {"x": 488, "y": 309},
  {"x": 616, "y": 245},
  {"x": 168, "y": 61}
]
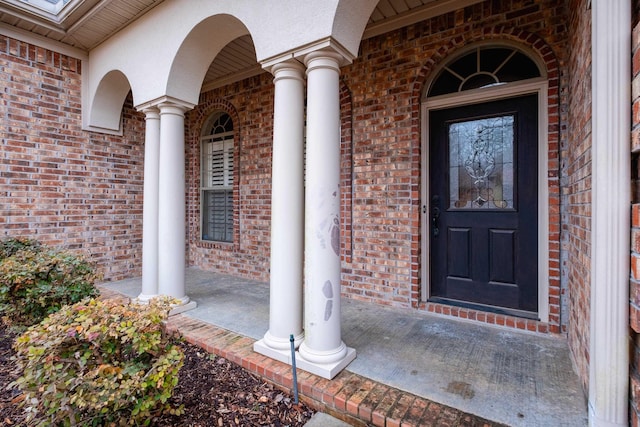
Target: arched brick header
[
  {"x": 548, "y": 59},
  {"x": 206, "y": 107},
  {"x": 498, "y": 33}
]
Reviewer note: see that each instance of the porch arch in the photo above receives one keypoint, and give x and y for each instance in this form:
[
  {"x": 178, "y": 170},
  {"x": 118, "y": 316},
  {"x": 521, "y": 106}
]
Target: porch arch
[
  {"x": 196, "y": 53},
  {"x": 106, "y": 109},
  {"x": 350, "y": 20}
]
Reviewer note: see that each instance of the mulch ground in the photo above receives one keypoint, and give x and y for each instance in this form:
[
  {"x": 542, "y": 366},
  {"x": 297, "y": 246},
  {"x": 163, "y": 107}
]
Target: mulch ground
[{"x": 214, "y": 392}]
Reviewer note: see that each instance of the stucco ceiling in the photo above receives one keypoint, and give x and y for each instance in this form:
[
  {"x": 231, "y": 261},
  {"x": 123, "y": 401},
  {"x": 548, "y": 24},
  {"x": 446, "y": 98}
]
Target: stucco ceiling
[{"x": 84, "y": 24}]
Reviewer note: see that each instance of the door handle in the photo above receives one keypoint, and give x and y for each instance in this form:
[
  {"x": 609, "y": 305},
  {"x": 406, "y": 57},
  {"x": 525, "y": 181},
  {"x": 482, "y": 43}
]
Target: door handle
[
  {"x": 434, "y": 221},
  {"x": 435, "y": 215}
]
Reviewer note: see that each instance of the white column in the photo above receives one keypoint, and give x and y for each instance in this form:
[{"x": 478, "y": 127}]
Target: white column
[
  {"x": 171, "y": 204},
  {"x": 322, "y": 345},
  {"x": 287, "y": 213},
  {"x": 150, "y": 207},
  {"x": 610, "y": 246}
]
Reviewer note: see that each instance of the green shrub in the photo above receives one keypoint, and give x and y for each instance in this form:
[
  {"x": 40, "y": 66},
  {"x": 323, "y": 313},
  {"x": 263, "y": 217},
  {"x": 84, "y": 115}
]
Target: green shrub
[
  {"x": 9, "y": 247},
  {"x": 98, "y": 363},
  {"x": 36, "y": 280}
]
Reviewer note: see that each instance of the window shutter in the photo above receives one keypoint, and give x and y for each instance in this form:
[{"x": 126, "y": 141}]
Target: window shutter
[
  {"x": 228, "y": 157},
  {"x": 217, "y": 165}
]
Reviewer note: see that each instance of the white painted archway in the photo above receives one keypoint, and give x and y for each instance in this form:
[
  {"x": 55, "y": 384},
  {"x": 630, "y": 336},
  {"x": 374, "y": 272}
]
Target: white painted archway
[{"x": 168, "y": 50}]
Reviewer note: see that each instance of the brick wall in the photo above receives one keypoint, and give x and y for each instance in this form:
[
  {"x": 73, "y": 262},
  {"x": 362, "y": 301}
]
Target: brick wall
[
  {"x": 576, "y": 185},
  {"x": 381, "y": 93},
  {"x": 59, "y": 184},
  {"x": 634, "y": 290}
]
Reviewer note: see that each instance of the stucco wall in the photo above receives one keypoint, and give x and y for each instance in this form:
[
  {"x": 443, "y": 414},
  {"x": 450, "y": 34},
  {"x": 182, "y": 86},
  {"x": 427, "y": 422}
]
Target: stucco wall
[{"x": 59, "y": 184}]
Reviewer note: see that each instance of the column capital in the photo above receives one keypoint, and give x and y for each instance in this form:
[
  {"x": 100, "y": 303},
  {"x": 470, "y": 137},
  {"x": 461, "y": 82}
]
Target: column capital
[
  {"x": 325, "y": 58},
  {"x": 172, "y": 108},
  {"x": 289, "y": 68},
  {"x": 165, "y": 101},
  {"x": 151, "y": 113},
  {"x": 327, "y": 44}
]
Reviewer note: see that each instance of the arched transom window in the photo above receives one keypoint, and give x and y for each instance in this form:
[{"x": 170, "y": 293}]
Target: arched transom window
[
  {"x": 484, "y": 66},
  {"x": 217, "y": 141}
]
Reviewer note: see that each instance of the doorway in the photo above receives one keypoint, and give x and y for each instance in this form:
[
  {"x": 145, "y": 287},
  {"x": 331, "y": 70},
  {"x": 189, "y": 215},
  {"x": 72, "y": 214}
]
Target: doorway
[{"x": 482, "y": 217}]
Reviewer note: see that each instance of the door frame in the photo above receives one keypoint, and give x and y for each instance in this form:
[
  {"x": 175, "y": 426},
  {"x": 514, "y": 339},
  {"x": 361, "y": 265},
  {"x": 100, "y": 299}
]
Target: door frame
[{"x": 538, "y": 86}]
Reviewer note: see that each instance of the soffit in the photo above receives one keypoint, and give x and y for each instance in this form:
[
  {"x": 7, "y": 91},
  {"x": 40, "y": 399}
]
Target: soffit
[{"x": 84, "y": 24}]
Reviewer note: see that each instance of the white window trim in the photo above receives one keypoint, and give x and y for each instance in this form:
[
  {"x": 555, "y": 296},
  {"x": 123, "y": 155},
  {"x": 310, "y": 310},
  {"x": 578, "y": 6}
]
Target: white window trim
[{"x": 537, "y": 86}]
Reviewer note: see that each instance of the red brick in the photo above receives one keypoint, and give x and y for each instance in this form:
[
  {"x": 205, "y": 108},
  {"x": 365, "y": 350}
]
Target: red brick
[
  {"x": 400, "y": 410},
  {"x": 354, "y": 403},
  {"x": 413, "y": 417},
  {"x": 384, "y": 407},
  {"x": 345, "y": 393}
]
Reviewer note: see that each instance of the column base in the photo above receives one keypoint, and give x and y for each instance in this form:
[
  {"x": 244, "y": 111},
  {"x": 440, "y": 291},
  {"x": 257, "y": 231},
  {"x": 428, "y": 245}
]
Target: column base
[
  {"x": 184, "y": 304},
  {"x": 279, "y": 343},
  {"x": 144, "y": 298},
  {"x": 281, "y": 355},
  {"x": 181, "y": 307},
  {"x": 326, "y": 370},
  {"x": 599, "y": 422},
  {"x": 277, "y": 348}
]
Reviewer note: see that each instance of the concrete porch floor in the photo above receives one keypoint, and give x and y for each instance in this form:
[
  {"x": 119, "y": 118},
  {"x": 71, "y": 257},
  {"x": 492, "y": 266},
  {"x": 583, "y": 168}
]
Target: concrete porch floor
[{"x": 408, "y": 365}]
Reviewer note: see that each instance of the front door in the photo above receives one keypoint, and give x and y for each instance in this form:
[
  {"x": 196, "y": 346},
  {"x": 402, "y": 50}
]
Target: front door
[{"x": 483, "y": 212}]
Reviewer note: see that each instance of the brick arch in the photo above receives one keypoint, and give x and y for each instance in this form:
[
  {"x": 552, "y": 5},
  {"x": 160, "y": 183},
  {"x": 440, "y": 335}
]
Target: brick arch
[
  {"x": 207, "y": 107},
  {"x": 499, "y": 33},
  {"x": 548, "y": 59}
]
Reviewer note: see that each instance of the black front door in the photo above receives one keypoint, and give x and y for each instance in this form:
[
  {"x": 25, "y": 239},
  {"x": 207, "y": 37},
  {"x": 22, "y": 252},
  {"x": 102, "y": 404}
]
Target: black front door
[{"x": 483, "y": 211}]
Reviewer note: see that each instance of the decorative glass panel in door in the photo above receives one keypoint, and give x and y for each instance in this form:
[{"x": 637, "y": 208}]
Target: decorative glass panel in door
[{"x": 481, "y": 164}]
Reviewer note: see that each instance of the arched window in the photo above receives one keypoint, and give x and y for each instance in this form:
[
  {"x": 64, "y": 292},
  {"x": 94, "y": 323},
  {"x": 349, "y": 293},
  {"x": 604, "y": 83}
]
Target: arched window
[
  {"x": 217, "y": 178},
  {"x": 484, "y": 66}
]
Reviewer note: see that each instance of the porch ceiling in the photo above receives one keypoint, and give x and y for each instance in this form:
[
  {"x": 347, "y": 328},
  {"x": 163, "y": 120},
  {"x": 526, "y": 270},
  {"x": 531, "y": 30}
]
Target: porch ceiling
[{"x": 84, "y": 24}]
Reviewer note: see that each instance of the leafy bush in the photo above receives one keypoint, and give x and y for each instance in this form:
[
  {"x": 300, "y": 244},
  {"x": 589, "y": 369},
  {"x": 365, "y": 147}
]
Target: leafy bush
[
  {"x": 36, "y": 280},
  {"x": 98, "y": 363},
  {"x": 9, "y": 247}
]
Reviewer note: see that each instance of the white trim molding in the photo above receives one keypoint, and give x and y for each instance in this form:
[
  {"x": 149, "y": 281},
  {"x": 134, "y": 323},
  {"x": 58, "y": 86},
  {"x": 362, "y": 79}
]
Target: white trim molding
[
  {"x": 537, "y": 86},
  {"x": 611, "y": 205},
  {"x": 37, "y": 40}
]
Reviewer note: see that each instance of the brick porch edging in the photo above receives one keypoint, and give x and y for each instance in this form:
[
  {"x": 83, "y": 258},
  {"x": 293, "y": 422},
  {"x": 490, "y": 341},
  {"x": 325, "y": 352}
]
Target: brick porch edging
[{"x": 355, "y": 399}]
